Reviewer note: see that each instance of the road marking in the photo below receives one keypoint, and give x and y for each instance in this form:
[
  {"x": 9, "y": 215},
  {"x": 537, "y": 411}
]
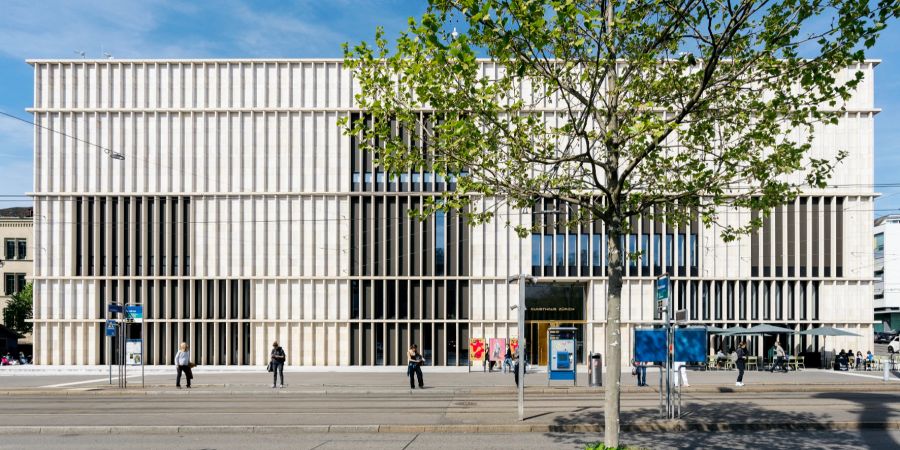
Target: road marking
[{"x": 75, "y": 383}]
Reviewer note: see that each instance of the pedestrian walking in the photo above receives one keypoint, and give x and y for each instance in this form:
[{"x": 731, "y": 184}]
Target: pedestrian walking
[
  {"x": 183, "y": 365},
  {"x": 415, "y": 366},
  {"x": 516, "y": 368},
  {"x": 640, "y": 369},
  {"x": 680, "y": 373},
  {"x": 277, "y": 358},
  {"x": 741, "y": 361},
  {"x": 779, "y": 359},
  {"x": 507, "y": 359}
]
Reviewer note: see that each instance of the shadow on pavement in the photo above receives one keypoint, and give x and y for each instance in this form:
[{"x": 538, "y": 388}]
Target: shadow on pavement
[
  {"x": 872, "y": 406},
  {"x": 747, "y": 417}
]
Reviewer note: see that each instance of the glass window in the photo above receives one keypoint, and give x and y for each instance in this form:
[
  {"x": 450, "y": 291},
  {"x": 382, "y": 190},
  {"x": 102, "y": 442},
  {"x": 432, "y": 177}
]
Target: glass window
[
  {"x": 439, "y": 244},
  {"x": 560, "y": 250},
  {"x": 669, "y": 250},
  {"x": 9, "y": 284},
  {"x": 416, "y": 177},
  {"x": 632, "y": 250},
  {"x": 379, "y": 177},
  {"x": 573, "y": 250},
  {"x": 404, "y": 177},
  {"x": 595, "y": 256},
  {"x": 368, "y": 177},
  {"x": 10, "y": 249},
  {"x": 535, "y": 250},
  {"x": 657, "y": 250},
  {"x": 645, "y": 250},
  {"x": 548, "y": 251},
  {"x": 428, "y": 177},
  {"x": 356, "y": 177},
  {"x": 681, "y": 250}
]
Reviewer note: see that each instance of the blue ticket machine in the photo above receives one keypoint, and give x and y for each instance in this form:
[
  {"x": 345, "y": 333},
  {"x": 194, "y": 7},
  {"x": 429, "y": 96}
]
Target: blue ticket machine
[{"x": 563, "y": 357}]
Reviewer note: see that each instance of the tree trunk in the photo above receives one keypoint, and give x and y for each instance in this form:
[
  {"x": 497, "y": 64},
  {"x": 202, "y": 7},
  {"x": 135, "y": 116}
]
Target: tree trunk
[{"x": 614, "y": 265}]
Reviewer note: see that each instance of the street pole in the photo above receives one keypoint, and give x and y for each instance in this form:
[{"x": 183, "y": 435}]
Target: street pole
[{"x": 521, "y": 347}]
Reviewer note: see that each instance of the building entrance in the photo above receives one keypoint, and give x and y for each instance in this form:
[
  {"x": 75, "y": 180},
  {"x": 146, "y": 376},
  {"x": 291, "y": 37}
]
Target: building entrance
[{"x": 552, "y": 305}]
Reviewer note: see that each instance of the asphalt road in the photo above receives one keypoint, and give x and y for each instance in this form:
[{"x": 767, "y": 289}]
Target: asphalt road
[
  {"x": 865, "y": 439},
  {"x": 179, "y": 408}
]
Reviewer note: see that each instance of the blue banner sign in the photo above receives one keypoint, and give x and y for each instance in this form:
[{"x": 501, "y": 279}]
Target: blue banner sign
[
  {"x": 134, "y": 313},
  {"x": 650, "y": 345},
  {"x": 114, "y": 308},
  {"x": 691, "y": 344}
]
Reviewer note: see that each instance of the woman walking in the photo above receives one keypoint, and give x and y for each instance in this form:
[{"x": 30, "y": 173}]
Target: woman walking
[
  {"x": 183, "y": 365},
  {"x": 741, "y": 362},
  {"x": 415, "y": 366},
  {"x": 277, "y": 360}
]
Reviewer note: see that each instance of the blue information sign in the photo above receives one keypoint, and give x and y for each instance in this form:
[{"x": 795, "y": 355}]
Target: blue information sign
[
  {"x": 111, "y": 328},
  {"x": 134, "y": 313},
  {"x": 662, "y": 288},
  {"x": 114, "y": 308},
  {"x": 691, "y": 344},
  {"x": 650, "y": 345}
]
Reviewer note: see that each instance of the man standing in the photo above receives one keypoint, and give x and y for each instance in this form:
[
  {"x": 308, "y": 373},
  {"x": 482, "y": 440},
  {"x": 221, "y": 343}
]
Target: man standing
[
  {"x": 277, "y": 360},
  {"x": 741, "y": 362}
]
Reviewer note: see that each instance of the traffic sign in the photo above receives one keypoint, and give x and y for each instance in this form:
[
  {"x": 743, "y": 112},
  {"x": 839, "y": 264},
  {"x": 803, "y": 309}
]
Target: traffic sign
[
  {"x": 110, "y": 328},
  {"x": 114, "y": 308}
]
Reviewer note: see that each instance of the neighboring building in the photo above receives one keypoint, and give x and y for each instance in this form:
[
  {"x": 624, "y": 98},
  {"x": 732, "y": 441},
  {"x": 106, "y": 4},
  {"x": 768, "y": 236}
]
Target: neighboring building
[
  {"x": 17, "y": 258},
  {"x": 887, "y": 272},
  {"x": 241, "y": 214}
]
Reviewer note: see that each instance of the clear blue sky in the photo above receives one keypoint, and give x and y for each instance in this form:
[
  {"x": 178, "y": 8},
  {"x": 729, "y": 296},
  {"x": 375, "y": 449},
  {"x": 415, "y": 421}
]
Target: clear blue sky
[{"x": 268, "y": 28}]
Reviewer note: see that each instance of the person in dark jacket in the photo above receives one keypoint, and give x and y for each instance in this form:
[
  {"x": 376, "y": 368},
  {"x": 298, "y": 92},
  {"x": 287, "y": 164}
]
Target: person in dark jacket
[
  {"x": 414, "y": 366},
  {"x": 741, "y": 362},
  {"x": 278, "y": 356}
]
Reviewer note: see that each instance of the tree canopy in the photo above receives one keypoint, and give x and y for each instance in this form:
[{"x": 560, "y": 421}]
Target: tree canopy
[
  {"x": 19, "y": 310},
  {"x": 672, "y": 109}
]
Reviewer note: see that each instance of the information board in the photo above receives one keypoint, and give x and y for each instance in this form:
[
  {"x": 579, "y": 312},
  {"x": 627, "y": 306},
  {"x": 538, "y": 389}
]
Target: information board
[
  {"x": 650, "y": 345},
  {"x": 691, "y": 344},
  {"x": 133, "y": 352},
  {"x": 134, "y": 313}
]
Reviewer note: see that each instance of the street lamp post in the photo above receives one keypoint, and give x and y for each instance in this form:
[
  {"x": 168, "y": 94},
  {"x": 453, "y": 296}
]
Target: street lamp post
[{"x": 522, "y": 279}]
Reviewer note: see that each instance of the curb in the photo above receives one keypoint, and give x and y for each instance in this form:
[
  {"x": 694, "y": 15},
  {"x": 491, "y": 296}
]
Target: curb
[
  {"x": 256, "y": 390},
  {"x": 644, "y": 427}
]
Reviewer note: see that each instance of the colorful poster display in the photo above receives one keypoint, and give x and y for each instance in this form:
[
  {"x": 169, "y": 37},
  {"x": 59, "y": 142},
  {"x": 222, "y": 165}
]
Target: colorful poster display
[
  {"x": 497, "y": 349},
  {"x": 133, "y": 352},
  {"x": 514, "y": 345},
  {"x": 476, "y": 349}
]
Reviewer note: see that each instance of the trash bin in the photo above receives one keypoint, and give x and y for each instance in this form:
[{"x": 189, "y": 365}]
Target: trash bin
[{"x": 595, "y": 372}]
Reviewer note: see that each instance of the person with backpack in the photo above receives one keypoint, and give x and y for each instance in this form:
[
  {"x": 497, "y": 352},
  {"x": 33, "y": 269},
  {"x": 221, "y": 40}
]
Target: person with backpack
[
  {"x": 741, "y": 362},
  {"x": 276, "y": 363}
]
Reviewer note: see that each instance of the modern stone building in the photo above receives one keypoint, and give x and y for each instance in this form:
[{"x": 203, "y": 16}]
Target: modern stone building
[{"x": 223, "y": 197}]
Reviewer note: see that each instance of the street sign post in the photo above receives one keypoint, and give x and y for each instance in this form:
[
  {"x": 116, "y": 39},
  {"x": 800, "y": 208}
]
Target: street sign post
[{"x": 662, "y": 303}]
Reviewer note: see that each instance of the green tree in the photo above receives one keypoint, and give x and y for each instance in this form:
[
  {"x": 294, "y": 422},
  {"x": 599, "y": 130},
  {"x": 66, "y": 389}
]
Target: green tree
[
  {"x": 668, "y": 109},
  {"x": 19, "y": 310}
]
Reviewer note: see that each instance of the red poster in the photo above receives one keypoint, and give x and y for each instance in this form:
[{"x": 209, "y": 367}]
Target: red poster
[{"x": 476, "y": 349}]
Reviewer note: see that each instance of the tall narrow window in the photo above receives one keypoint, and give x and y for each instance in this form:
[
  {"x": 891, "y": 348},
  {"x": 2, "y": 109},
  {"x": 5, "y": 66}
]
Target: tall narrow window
[{"x": 439, "y": 243}]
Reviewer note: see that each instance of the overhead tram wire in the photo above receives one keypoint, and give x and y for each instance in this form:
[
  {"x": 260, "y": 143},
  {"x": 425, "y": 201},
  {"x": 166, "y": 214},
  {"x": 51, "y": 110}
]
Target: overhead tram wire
[{"x": 110, "y": 153}]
